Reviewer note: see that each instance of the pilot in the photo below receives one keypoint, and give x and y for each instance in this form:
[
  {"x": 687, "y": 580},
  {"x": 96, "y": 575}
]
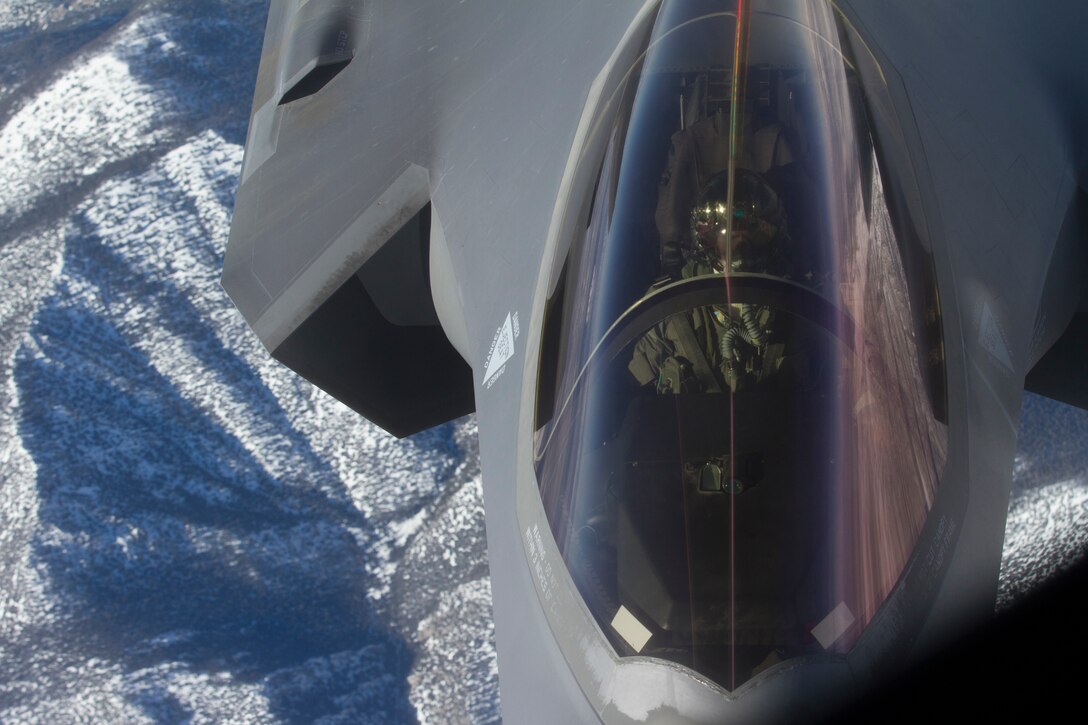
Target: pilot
[
  {"x": 699, "y": 155},
  {"x": 709, "y": 349},
  {"x": 759, "y": 238}
]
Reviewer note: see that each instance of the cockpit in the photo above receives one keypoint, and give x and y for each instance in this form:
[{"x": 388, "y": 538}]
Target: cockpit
[{"x": 740, "y": 420}]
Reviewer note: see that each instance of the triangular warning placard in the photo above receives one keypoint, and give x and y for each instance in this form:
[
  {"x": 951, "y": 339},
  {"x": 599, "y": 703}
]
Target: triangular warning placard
[{"x": 502, "y": 349}]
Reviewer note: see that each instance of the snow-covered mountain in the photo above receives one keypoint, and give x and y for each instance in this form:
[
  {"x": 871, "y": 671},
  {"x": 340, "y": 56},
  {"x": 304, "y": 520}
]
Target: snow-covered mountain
[{"x": 188, "y": 531}]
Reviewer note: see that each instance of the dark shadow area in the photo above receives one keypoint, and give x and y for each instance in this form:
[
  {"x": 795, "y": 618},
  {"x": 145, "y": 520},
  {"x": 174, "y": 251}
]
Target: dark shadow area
[
  {"x": 377, "y": 346},
  {"x": 165, "y": 541},
  {"x": 313, "y": 81},
  {"x": 1024, "y": 665}
]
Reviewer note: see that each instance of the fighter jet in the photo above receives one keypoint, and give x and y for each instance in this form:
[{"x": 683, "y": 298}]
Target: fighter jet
[{"x": 745, "y": 295}]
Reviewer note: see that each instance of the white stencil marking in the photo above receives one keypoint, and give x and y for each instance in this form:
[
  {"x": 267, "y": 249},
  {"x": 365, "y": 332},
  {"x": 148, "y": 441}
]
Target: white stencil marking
[
  {"x": 631, "y": 629},
  {"x": 833, "y": 625},
  {"x": 502, "y": 349}
]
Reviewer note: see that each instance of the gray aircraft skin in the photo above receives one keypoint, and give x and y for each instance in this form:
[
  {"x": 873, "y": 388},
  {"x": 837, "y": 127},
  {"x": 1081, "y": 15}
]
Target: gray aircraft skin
[{"x": 416, "y": 173}]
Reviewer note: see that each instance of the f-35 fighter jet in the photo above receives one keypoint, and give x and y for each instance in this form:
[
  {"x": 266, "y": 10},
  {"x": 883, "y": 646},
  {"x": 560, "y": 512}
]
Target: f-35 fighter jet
[{"x": 745, "y": 294}]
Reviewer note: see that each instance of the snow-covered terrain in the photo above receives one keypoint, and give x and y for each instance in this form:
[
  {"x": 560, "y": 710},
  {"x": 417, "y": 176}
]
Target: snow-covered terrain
[
  {"x": 1047, "y": 529},
  {"x": 188, "y": 531}
]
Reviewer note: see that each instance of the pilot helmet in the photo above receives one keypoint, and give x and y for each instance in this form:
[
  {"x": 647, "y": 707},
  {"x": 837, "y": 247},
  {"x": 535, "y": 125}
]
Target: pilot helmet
[{"x": 758, "y": 221}]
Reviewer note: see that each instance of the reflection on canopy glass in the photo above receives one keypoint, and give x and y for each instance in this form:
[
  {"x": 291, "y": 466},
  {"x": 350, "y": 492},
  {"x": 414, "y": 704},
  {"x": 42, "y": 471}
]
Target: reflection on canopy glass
[{"x": 741, "y": 398}]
